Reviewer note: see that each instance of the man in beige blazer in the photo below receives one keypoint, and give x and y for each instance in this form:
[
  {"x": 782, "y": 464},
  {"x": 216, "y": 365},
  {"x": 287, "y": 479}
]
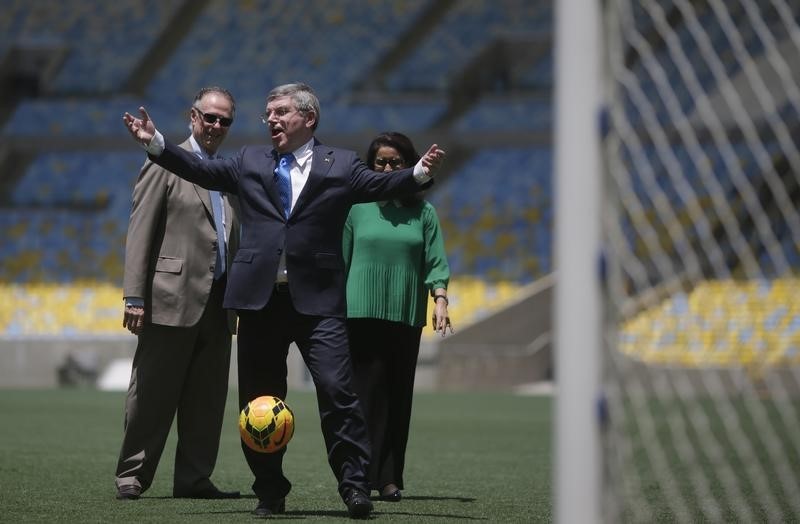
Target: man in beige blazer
[{"x": 175, "y": 277}]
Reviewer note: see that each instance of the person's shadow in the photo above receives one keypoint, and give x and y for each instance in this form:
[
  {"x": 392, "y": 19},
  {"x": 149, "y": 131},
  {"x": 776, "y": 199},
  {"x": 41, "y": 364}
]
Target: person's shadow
[{"x": 380, "y": 509}]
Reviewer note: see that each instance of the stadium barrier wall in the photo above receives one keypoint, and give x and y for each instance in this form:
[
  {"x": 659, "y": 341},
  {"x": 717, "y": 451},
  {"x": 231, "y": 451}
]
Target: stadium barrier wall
[{"x": 505, "y": 350}]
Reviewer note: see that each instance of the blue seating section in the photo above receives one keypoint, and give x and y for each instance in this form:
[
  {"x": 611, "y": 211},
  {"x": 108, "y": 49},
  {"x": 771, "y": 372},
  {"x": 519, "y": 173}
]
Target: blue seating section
[
  {"x": 104, "y": 40},
  {"x": 690, "y": 60},
  {"x": 81, "y": 179},
  {"x": 49, "y": 237},
  {"x": 373, "y": 118},
  {"x": 500, "y": 113},
  {"x": 68, "y": 117},
  {"x": 497, "y": 214},
  {"x": 466, "y": 29},
  {"x": 221, "y": 49},
  {"x": 66, "y": 220}
]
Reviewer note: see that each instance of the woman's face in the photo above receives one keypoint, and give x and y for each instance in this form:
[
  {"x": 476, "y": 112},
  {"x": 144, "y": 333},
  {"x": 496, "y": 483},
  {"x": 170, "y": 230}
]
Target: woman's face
[{"x": 388, "y": 159}]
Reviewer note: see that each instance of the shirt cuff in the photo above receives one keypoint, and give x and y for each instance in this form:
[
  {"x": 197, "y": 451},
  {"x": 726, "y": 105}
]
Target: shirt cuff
[
  {"x": 134, "y": 302},
  {"x": 156, "y": 145},
  {"x": 419, "y": 173}
]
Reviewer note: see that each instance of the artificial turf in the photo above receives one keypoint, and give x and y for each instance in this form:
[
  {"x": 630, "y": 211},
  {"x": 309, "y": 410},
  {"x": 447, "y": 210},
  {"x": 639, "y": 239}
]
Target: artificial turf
[{"x": 471, "y": 457}]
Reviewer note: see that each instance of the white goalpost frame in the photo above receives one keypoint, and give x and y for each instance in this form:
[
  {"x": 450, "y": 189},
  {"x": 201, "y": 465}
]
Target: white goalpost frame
[{"x": 577, "y": 302}]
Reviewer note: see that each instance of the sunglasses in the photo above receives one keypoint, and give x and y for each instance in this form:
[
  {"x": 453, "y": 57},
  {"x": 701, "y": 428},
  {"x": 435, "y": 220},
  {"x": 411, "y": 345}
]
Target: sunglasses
[
  {"x": 395, "y": 163},
  {"x": 208, "y": 118}
]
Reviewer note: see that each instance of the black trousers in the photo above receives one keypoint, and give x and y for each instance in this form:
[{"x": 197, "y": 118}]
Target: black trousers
[
  {"x": 384, "y": 366},
  {"x": 263, "y": 344}
]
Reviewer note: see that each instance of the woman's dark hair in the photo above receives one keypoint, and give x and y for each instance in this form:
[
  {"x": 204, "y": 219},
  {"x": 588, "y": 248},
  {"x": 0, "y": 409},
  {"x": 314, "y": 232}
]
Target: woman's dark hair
[{"x": 407, "y": 151}]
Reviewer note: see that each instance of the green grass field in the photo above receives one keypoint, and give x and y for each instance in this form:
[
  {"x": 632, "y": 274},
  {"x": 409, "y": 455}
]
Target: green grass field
[{"x": 471, "y": 457}]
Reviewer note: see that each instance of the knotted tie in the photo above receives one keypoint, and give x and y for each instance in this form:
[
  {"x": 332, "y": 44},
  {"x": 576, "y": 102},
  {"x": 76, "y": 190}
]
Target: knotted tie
[
  {"x": 285, "y": 181},
  {"x": 216, "y": 208}
]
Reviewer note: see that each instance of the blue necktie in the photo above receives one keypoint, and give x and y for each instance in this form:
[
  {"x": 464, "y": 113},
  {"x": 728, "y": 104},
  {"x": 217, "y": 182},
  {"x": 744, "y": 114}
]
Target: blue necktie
[
  {"x": 216, "y": 208},
  {"x": 285, "y": 181}
]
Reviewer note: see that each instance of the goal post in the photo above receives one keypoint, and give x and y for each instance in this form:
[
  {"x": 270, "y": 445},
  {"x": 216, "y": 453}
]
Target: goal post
[
  {"x": 678, "y": 357},
  {"x": 577, "y": 253}
]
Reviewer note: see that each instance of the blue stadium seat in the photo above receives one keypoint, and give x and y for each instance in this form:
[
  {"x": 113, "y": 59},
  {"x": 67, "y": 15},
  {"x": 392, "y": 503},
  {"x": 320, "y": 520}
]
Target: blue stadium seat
[
  {"x": 97, "y": 36},
  {"x": 496, "y": 113},
  {"x": 496, "y": 214},
  {"x": 465, "y": 30},
  {"x": 245, "y": 49}
]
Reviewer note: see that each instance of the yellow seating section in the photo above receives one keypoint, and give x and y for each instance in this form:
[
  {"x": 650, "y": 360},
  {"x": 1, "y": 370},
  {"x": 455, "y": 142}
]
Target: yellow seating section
[
  {"x": 750, "y": 324},
  {"x": 472, "y": 299},
  {"x": 753, "y": 324},
  {"x": 95, "y": 309},
  {"x": 67, "y": 310}
]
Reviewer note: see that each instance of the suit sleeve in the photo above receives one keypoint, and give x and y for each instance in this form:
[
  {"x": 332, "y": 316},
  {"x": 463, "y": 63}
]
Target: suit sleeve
[
  {"x": 219, "y": 174},
  {"x": 147, "y": 207},
  {"x": 370, "y": 186}
]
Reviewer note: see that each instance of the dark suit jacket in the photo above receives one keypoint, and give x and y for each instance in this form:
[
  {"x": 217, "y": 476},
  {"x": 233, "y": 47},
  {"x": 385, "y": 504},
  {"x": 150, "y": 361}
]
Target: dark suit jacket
[
  {"x": 312, "y": 235},
  {"x": 170, "y": 250}
]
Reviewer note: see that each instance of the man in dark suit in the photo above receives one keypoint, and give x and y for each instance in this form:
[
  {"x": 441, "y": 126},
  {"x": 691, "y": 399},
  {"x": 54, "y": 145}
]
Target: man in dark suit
[
  {"x": 174, "y": 283},
  {"x": 287, "y": 280}
]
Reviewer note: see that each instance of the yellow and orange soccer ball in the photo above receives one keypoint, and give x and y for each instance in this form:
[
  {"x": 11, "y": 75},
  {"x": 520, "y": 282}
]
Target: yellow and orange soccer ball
[{"x": 266, "y": 424}]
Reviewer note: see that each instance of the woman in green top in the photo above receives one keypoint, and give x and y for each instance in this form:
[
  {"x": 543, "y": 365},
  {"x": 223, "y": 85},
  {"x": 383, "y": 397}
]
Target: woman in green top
[{"x": 395, "y": 258}]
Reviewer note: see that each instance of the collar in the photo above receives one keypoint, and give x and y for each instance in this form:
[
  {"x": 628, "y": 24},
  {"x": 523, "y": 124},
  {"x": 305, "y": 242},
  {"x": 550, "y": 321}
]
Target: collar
[
  {"x": 396, "y": 203},
  {"x": 199, "y": 151},
  {"x": 302, "y": 154}
]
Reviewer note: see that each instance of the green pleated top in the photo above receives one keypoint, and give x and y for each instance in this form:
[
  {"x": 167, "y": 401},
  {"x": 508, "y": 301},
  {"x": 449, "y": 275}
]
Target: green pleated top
[{"x": 395, "y": 258}]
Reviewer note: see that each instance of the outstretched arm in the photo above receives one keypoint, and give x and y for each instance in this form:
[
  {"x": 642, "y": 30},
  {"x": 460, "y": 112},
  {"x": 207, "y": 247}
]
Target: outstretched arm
[{"x": 141, "y": 129}]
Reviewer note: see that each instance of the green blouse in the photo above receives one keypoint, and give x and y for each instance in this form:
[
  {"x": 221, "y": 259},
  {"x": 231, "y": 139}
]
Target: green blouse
[{"x": 394, "y": 258}]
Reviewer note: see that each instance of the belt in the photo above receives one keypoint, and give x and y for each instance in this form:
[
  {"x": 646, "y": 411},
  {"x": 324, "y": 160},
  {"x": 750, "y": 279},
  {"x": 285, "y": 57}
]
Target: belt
[{"x": 281, "y": 287}]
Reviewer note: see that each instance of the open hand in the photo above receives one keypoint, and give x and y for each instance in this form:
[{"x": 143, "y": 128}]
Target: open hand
[
  {"x": 141, "y": 129},
  {"x": 432, "y": 160}
]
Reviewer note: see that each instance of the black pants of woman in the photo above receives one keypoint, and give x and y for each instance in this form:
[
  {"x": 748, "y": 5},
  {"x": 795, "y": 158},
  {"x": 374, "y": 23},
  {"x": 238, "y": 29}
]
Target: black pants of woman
[{"x": 384, "y": 357}]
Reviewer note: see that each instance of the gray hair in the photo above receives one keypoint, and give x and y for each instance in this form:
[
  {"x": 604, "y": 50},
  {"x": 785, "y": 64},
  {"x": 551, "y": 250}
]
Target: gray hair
[{"x": 304, "y": 98}]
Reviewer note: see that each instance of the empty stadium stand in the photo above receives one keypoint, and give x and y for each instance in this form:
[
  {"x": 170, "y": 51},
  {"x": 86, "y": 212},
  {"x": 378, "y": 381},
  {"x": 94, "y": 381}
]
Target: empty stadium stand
[{"x": 69, "y": 165}]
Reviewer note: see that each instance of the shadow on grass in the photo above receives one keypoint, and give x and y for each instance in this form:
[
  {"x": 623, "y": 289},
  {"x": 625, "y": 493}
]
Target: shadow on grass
[
  {"x": 300, "y": 514},
  {"x": 169, "y": 497},
  {"x": 381, "y": 508},
  {"x": 289, "y": 514},
  {"x": 431, "y": 497},
  {"x": 429, "y": 515}
]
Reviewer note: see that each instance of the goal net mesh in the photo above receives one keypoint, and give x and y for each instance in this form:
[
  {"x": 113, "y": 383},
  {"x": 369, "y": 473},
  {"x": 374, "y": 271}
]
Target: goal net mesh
[{"x": 700, "y": 414}]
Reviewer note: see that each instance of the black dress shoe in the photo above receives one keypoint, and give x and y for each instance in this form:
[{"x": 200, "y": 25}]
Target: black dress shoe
[
  {"x": 358, "y": 504},
  {"x": 391, "y": 493},
  {"x": 130, "y": 492},
  {"x": 266, "y": 508},
  {"x": 208, "y": 493}
]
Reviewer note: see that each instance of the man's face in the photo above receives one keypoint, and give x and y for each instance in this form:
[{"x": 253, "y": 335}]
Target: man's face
[
  {"x": 288, "y": 127},
  {"x": 209, "y": 116}
]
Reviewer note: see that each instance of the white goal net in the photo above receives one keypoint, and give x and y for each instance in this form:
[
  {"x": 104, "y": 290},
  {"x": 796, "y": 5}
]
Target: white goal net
[{"x": 700, "y": 415}]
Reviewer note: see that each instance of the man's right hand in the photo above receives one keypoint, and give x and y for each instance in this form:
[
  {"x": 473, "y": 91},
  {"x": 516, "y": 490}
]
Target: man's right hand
[
  {"x": 432, "y": 160},
  {"x": 133, "y": 319},
  {"x": 141, "y": 129}
]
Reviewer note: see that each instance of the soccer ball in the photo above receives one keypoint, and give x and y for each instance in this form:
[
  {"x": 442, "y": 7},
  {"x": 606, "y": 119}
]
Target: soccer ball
[{"x": 266, "y": 424}]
